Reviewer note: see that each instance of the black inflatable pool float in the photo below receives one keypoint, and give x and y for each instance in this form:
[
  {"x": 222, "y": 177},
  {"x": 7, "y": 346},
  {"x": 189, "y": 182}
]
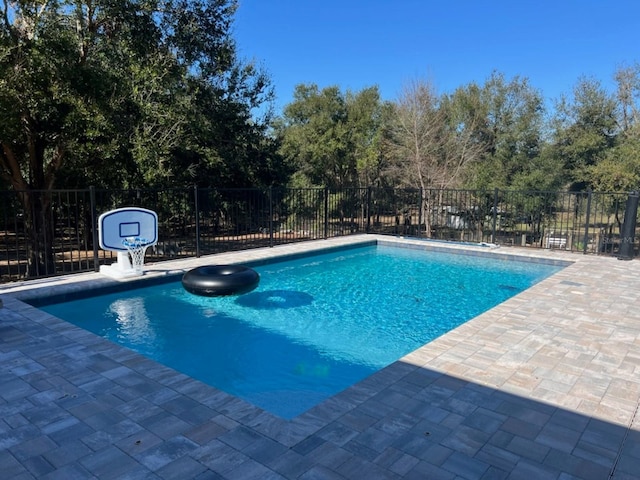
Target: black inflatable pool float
[{"x": 220, "y": 280}]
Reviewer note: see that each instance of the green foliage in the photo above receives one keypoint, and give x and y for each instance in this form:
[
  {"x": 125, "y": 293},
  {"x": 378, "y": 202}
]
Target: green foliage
[
  {"x": 313, "y": 136},
  {"x": 129, "y": 94},
  {"x": 510, "y": 128},
  {"x": 619, "y": 167},
  {"x": 619, "y": 170},
  {"x": 332, "y": 138},
  {"x": 365, "y": 114},
  {"x": 585, "y": 128}
]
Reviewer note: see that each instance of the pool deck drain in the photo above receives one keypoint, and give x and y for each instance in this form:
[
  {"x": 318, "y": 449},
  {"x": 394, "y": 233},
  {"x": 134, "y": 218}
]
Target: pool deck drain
[{"x": 545, "y": 386}]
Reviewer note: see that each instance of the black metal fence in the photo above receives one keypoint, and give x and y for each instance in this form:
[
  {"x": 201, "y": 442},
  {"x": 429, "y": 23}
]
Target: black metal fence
[{"x": 195, "y": 222}]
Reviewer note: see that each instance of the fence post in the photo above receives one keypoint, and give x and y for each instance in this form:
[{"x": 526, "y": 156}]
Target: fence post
[
  {"x": 495, "y": 215},
  {"x": 94, "y": 228},
  {"x": 270, "y": 216},
  {"x": 196, "y": 207},
  {"x": 326, "y": 212},
  {"x": 585, "y": 238}
]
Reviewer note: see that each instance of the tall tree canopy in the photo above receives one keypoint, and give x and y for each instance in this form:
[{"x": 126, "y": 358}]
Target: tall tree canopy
[
  {"x": 330, "y": 137},
  {"x": 618, "y": 167},
  {"x": 585, "y": 127},
  {"x": 511, "y": 128},
  {"x": 124, "y": 93}
]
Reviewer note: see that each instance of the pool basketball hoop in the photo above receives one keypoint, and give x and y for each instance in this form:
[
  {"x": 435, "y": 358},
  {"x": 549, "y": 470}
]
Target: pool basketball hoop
[{"x": 127, "y": 231}]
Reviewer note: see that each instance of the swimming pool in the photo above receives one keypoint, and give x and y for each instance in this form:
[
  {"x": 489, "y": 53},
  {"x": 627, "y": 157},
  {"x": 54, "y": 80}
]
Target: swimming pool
[{"x": 315, "y": 325}]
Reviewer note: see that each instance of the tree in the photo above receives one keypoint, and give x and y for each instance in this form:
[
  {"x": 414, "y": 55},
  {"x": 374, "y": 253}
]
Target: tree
[
  {"x": 415, "y": 137},
  {"x": 331, "y": 137},
  {"x": 430, "y": 142},
  {"x": 132, "y": 93},
  {"x": 628, "y": 97},
  {"x": 619, "y": 169},
  {"x": 510, "y": 126},
  {"x": 313, "y": 134},
  {"x": 365, "y": 114},
  {"x": 584, "y": 129}
]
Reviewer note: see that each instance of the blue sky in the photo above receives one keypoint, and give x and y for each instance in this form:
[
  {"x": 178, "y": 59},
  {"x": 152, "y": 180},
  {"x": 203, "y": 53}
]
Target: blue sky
[{"x": 356, "y": 44}]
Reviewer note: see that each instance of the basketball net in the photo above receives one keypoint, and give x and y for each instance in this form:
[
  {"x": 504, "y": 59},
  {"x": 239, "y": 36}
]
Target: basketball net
[{"x": 136, "y": 247}]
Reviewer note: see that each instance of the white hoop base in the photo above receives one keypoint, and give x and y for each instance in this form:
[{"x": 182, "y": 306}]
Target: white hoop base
[
  {"x": 122, "y": 268},
  {"x": 125, "y": 266}
]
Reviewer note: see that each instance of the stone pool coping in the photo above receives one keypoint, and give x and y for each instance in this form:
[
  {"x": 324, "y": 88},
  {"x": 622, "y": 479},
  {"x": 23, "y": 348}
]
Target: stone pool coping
[{"x": 545, "y": 385}]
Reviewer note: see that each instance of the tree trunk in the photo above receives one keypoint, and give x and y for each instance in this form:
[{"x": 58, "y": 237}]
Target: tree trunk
[
  {"x": 40, "y": 231},
  {"x": 35, "y": 197},
  {"x": 426, "y": 212}
]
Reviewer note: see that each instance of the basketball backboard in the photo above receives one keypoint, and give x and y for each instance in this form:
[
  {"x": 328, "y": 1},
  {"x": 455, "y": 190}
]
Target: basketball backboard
[{"x": 122, "y": 223}]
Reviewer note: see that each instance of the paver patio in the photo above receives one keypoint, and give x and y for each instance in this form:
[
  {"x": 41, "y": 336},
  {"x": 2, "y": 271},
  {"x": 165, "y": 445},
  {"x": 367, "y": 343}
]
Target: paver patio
[{"x": 543, "y": 386}]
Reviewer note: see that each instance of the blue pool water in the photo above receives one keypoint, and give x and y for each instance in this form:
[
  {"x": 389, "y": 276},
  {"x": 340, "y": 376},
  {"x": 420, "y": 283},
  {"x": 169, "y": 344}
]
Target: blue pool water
[{"x": 313, "y": 327}]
